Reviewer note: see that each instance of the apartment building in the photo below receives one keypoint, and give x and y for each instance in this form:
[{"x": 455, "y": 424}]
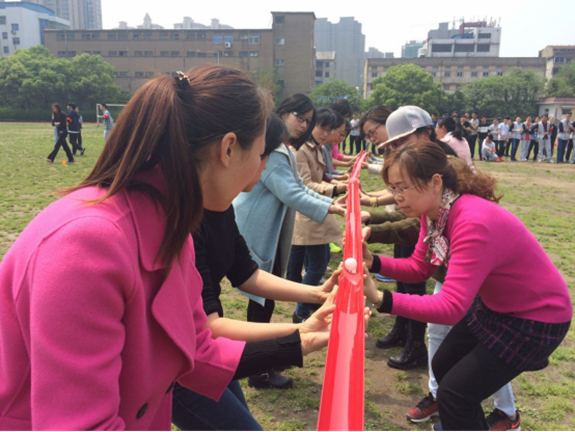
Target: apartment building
[
  {"x": 556, "y": 56},
  {"x": 325, "y": 67},
  {"x": 82, "y": 14},
  {"x": 140, "y": 54}
]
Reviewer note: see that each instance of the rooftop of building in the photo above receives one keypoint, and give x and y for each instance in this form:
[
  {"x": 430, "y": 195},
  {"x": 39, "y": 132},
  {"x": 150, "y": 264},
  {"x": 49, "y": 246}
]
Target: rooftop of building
[
  {"x": 325, "y": 55},
  {"x": 26, "y": 5},
  {"x": 556, "y": 99},
  {"x": 293, "y": 13}
]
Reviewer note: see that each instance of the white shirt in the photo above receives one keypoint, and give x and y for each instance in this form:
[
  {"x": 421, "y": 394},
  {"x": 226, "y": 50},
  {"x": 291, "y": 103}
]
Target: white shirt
[{"x": 354, "y": 128}]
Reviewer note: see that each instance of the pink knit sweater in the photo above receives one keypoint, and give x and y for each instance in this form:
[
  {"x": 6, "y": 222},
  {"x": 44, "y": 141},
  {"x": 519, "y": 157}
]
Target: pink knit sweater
[{"x": 493, "y": 255}]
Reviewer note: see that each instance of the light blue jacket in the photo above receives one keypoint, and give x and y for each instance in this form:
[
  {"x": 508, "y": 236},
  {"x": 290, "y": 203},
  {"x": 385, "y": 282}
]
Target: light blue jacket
[{"x": 265, "y": 216}]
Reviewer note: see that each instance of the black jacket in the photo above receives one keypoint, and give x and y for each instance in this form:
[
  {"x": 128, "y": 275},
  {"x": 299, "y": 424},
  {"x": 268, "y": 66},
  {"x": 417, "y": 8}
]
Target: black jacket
[
  {"x": 73, "y": 121},
  {"x": 61, "y": 118}
]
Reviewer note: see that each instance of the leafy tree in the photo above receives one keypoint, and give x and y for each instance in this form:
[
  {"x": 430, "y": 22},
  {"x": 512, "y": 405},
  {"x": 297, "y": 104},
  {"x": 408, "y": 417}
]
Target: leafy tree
[
  {"x": 34, "y": 78},
  {"x": 326, "y": 94},
  {"x": 408, "y": 85},
  {"x": 515, "y": 93},
  {"x": 563, "y": 84},
  {"x": 269, "y": 79}
]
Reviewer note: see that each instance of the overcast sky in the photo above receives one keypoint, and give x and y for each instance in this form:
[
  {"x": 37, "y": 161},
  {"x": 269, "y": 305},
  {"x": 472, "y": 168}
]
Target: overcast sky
[{"x": 527, "y": 26}]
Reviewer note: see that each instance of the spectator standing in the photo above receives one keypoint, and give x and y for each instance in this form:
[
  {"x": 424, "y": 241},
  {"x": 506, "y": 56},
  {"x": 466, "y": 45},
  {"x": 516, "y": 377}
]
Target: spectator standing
[
  {"x": 504, "y": 143},
  {"x": 495, "y": 133},
  {"x": 563, "y": 137},
  {"x": 354, "y": 135},
  {"x": 474, "y": 126},
  {"x": 73, "y": 120},
  {"x": 516, "y": 132},
  {"x": 554, "y": 130},
  {"x": 544, "y": 136},
  {"x": 482, "y": 130},
  {"x": 59, "y": 121},
  {"x": 108, "y": 120},
  {"x": 570, "y": 145},
  {"x": 534, "y": 144},
  {"x": 81, "y": 121}
]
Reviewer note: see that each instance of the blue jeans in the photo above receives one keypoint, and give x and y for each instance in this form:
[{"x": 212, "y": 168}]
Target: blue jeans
[
  {"x": 192, "y": 411},
  {"x": 514, "y": 146},
  {"x": 561, "y": 146},
  {"x": 316, "y": 258}
]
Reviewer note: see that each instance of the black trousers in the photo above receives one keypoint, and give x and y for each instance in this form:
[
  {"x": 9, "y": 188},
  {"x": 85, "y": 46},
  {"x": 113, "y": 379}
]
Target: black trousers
[
  {"x": 534, "y": 144},
  {"x": 61, "y": 143},
  {"x": 80, "y": 138},
  {"x": 358, "y": 144},
  {"x": 74, "y": 142},
  {"x": 416, "y": 328},
  {"x": 472, "y": 140},
  {"x": 568, "y": 150},
  {"x": 467, "y": 374}
]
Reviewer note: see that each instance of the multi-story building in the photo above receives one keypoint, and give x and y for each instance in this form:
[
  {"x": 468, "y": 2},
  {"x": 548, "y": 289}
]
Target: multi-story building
[
  {"x": 140, "y": 54},
  {"x": 453, "y": 72},
  {"x": 23, "y": 25},
  {"x": 411, "y": 49},
  {"x": 189, "y": 24},
  {"x": 348, "y": 42},
  {"x": 471, "y": 39},
  {"x": 324, "y": 67},
  {"x": 82, "y": 14},
  {"x": 556, "y": 56}
]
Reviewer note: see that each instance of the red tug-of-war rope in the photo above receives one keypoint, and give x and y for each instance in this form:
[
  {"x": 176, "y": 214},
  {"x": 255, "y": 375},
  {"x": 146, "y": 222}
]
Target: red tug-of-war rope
[{"x": 342, "y": 398}]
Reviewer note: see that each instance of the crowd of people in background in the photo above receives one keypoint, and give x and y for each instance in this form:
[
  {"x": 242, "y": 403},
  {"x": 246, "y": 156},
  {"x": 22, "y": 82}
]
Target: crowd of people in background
[{"x": 535, "y": 139}]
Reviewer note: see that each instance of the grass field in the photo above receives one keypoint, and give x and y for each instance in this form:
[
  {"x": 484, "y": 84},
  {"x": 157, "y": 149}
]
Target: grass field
[{"x": 541, "y": 195}]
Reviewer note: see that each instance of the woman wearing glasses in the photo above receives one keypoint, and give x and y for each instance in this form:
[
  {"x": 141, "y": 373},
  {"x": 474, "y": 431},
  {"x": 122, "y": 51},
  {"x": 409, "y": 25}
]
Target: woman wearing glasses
[
  {"x": 508, "y": 315},
  {"x": 266, "y": 215}
]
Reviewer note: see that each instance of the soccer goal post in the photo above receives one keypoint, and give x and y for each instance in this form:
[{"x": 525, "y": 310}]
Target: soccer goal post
[{"x": 114, "y": 109}]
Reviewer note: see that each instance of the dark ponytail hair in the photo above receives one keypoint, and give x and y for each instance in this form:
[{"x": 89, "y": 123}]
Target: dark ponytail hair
[
  {"x": 300, "y": 104},
  {"x": 452, "y": 126},
  {"x": 343, "y": 107},
  {"x": 432, "y": 136},
  {"x": 58, "y": 108},
  {"x": 422, "y": 159},
  {"x": 276, "y": 133},
  {"x": 176, "y": 140}
]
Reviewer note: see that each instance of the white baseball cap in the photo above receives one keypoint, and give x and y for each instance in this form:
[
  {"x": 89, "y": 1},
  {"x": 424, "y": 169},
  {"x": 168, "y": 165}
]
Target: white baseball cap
[{"x": 405, "y": 121}]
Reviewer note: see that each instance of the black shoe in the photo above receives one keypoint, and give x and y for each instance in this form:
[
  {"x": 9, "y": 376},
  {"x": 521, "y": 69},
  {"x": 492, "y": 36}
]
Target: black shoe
[
  {"x": 397, "y": 336},
  {"x": 296, "y": 319},
  {"x": 82, "y": 150},
  {"x": 414, "y": 354},
  {"x": 270, "y": 379}
]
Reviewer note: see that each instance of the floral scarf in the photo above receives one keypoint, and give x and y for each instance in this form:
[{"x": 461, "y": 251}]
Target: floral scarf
[{"x": 438, "y": 252}]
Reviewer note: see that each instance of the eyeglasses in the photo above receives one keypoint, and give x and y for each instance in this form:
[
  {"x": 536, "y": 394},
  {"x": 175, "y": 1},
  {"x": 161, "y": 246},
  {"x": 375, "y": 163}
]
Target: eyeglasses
[
  {"x": 400, "y": 191},
  {"x": 301, "y": 118},
  {"x": 371, "y": 133}
]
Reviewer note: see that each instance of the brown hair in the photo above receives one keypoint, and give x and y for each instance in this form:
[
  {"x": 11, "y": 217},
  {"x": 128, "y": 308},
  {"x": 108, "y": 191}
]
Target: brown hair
[
  {"x": 172, "y": 126},
  {"x": 376, "y": 114},
  {"x": 422, "y": 159}
]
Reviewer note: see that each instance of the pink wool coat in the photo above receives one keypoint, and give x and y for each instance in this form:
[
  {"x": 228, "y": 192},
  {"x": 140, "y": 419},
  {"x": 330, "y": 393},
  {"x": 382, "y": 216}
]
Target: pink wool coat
[{"x": 92, "y": 334}]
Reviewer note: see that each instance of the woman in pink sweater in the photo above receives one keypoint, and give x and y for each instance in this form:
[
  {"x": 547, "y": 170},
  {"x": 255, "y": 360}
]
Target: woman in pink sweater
[
  {"x": 509, "y": 315},
  {"x": 451, "y": 133}
]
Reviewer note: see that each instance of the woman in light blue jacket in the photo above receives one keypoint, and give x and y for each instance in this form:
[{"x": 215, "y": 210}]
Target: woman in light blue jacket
[{"x": 265, "y": 216}]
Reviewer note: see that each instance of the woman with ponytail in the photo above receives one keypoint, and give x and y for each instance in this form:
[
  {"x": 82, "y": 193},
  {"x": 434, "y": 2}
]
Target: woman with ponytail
[
  {"x": 452, "y": 133},
  {"x": 100, "y": 347},
  {"x": 508, "y": 315}
]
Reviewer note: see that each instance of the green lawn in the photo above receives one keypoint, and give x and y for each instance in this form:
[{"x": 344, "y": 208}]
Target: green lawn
[{"x": 542, "y": 195}]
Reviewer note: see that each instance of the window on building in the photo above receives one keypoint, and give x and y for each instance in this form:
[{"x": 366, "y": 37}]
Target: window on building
[
  {"x": 174, "y": 53},
  {"x": 111, "y": 36},
  {"x": 164, "y": 53},
  {"x": 124, "y": 75},
  {"x": 254, "y": 38},
  {"x": 123, "y": 53},
  {"x": 174, "y": 36},
  {"x": 138, "y": 53},
  {"x": 318, "y": 74},
  {"x": 202, "y": 54},
  {"x": 122, "y": 36},
  {"x": 280, "y": 41},
  {"x": 95, "y": 36},
  {"x": 148, "y": 53},
  {"x": 483, "y": 47},
  {"x": 229, "y": 38},
  {"x": 113, "y": 53},
  {"x": 4, "y": 35},
  {"x": 244, "y": 54},
  {"x": 326, "y": 75},
  {"x": 318, "y": 64},
  {"x": 71, "y": 36},
  {"x": 499, "y": 73},
  {"x": 15, "y": 27},
  {"x": 279, "y": 19},
  {"x": 164, "y": 36},
  {"x": 136, "y": 36},
  {"x": 228, "y": 53},
  {"x": 279, "y": 62},
  {"x": 464, "y": 48},
  {"x": 474, "y": 74},
  {"x": 447, "y": 74},
  {"x": 70, "y": 53},
  {"x": 60, "y": 36},
  {"x": 60, "y": 53},
  {"x": 374, "y": 74},
  {"x": 254, "y": 53},
  {"x": 139, "y": 74},
  {"x": 441, "y": 48},
  {"x": 190, "y": 36},
  {"x": 147, "y": 36},
  {"x": 190, "y": 54},
  {"x": 485, "y": 74},
  {"x": 559, "y": 60},
  {"x": 484, "y": 35},
  {"x": 96, "y": 52},
  {"x": 149, "y": 74},
  {"x": 201, "y": 36},
  {"x": 86, "y": 36},
  {"x": 459, "y": 74},
  {"x": 7, "y": 51},
  {"x": 217, "y": 39},
  {"x": 3, "y": 21},
  {"x": 244, "y": 36}
]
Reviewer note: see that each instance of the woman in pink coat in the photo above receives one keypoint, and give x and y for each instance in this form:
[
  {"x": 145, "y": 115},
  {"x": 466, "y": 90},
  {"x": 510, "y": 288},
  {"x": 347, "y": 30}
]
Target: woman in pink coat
[
  {"x": 452, "y": 133},
  {"x": 101, "y": 302}
]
